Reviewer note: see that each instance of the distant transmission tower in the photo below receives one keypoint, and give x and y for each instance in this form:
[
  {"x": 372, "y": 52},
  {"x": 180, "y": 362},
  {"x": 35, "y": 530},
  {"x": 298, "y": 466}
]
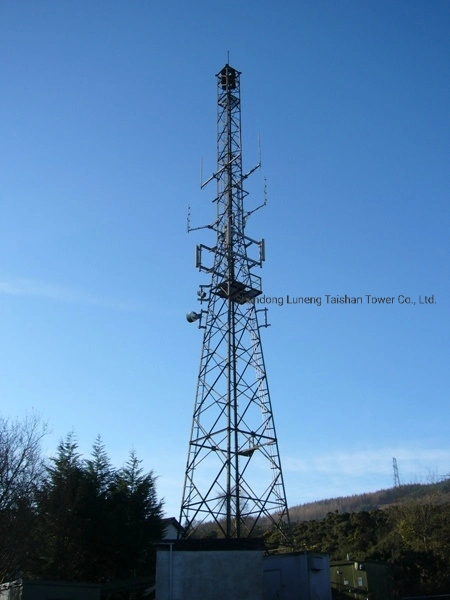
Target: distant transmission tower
[
  {"x": 396, "y": 475},
  {"x": 233, "y": 474}
]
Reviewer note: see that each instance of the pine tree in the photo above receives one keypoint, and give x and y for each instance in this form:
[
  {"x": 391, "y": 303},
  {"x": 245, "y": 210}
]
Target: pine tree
[
  {"x": 137, "y": 518},
  {"x": 95, "y": 523}
]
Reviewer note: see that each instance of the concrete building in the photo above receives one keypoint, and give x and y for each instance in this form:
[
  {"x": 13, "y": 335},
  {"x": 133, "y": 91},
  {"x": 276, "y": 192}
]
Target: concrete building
[
  {"x": 172, "y": 529},
  {"x": 297, "y": 576},
  {"x": 238, "y": 570},
  {"x": 49, "y": 590},
  {"x": 209, "y": 569}
]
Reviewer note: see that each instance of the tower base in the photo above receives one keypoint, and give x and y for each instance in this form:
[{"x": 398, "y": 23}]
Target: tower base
[{"x": 210, "y": 569}]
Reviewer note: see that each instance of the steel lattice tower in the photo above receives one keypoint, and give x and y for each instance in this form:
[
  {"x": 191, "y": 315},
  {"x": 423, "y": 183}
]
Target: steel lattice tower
[
  {"x": 396, "y": 474},
  {"x": 233, "y": 474}
]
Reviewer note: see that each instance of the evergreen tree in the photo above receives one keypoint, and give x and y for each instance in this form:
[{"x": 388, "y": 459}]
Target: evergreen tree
[
  {"x": 137, "y": 518},
  {"x": 95, "y": 523},
  {"x": 98, "y": 467},
  {"x": 63, "y": 506},
  {"x": 99, "y": 547}
]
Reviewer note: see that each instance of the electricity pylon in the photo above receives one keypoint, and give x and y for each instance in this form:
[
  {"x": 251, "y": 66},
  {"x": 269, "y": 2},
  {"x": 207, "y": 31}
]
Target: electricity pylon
[
  {"x": 396, "y": 474},
  {"x": 233, "y": 475}
]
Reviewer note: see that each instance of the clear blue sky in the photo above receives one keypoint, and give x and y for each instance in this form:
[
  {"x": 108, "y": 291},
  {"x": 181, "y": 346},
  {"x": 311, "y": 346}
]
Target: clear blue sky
[{"x": 107, "y": 108}]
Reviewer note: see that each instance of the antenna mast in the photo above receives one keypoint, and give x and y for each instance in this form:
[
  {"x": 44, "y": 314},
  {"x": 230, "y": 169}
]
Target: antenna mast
[{"x": 233, "y": 477}]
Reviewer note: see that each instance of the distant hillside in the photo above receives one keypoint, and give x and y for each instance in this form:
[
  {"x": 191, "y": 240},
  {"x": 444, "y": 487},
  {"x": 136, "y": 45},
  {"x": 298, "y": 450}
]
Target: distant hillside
[
  {"x": 366, "y": 502},
  {"x": 407, "y": 527}
]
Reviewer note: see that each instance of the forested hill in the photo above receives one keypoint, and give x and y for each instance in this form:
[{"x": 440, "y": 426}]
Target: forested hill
[
  {"x": 407, "y": 527},
  {"x": 368, "y": 501}
]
